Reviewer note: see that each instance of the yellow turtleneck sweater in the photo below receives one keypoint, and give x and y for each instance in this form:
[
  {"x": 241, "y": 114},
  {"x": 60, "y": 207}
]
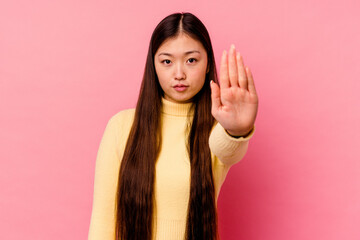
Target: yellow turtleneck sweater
[{"x": 172, "y": 180}]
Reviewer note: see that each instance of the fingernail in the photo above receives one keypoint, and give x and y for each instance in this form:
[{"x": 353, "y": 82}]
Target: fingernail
[{"x": 233, "y": 46}]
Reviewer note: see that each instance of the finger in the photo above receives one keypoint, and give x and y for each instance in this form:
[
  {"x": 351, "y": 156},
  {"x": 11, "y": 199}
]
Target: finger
[
  {"x": 243, "y": 82},
  {"x": 233, "y": 72},
  {"x": 215, "y": 97},
  {"x": 224, "y": 74},
  {"x": 250, "y": 81}
]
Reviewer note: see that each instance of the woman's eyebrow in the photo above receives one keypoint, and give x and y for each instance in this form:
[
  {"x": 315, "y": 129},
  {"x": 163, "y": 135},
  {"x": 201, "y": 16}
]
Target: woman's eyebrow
[{"x": 186, "y": 53}]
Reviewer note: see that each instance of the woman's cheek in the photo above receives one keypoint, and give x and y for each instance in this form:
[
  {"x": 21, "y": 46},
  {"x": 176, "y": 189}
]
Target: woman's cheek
[{"x": 200, "y": 72}]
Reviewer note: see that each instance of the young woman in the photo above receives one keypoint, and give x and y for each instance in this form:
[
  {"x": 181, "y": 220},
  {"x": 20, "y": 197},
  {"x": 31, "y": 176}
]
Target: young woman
[{"x": 160, "y": 166}]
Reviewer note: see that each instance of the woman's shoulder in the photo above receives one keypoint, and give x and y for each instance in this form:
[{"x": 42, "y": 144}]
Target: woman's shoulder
[
  {"x": 126, "y": 115},
  {"x": 121, "y": 122}
]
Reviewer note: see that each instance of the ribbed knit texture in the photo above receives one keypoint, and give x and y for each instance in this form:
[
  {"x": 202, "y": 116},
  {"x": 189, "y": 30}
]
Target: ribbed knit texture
[{"x": 172, "y": 181}]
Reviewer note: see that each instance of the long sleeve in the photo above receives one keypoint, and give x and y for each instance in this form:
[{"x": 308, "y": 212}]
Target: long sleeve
[
  {"x": 227, "y": 149},
  {"x": 102, "y": 224}
]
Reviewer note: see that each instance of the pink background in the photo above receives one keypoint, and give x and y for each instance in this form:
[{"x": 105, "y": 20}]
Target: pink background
[{"x": 67, "y": 66}]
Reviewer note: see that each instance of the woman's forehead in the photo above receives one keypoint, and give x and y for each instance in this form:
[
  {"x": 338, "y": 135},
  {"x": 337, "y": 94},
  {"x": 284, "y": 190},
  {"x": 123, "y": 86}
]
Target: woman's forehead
[{"x": 180, "y": 45}]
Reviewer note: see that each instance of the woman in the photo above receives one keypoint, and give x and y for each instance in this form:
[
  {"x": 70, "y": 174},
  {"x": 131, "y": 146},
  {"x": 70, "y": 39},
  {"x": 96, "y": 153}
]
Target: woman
[{"x": 160, "y": 167}]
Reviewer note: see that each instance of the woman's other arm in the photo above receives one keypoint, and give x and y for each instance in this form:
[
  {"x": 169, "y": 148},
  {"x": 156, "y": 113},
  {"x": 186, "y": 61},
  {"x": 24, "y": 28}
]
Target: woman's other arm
[{"x": 102, "y": 224}]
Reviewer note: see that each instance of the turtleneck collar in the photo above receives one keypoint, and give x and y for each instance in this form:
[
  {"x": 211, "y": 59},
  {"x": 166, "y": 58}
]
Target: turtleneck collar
[{"x": 176, "y": 109}]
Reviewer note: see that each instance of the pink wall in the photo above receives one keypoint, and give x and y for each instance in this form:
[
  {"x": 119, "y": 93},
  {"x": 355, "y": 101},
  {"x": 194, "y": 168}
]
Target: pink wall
[{"x": 67, "y": 66}]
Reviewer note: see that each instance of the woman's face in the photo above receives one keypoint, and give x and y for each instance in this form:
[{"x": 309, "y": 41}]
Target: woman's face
[{"x": 181, "y": 66}]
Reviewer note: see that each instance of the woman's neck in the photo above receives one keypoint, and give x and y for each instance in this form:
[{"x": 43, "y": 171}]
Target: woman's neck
[{"x": 176, "y": 109}]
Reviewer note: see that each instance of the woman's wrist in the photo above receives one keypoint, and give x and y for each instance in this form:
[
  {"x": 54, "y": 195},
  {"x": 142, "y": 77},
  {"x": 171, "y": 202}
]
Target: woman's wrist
[{"x": 239, "y": 135}]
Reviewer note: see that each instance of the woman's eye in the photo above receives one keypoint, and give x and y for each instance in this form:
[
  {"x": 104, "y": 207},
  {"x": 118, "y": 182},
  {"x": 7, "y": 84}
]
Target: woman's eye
[
  {"x": 166, "y": 61},
  {"x": 192, "y": 60}
]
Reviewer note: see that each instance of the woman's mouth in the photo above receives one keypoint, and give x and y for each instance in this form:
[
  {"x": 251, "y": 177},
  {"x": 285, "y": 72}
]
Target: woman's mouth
[{"x": 180, "y": 87}]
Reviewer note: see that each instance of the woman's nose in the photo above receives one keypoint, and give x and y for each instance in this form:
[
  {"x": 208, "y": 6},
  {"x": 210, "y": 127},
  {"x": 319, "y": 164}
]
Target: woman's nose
[{"x": 179, "y": 72}]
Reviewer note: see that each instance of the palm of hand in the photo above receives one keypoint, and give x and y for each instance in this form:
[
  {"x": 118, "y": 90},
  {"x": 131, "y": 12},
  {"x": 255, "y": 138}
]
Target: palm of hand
[{"x": 235, "y": 102}]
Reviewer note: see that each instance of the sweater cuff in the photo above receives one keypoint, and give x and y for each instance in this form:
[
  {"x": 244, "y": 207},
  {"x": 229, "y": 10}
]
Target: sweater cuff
[{"x": 223, "y": 143}]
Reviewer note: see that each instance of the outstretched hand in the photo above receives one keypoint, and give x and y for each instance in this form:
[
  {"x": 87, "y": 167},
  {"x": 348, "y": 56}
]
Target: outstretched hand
[{"x": 235, "y": 102}]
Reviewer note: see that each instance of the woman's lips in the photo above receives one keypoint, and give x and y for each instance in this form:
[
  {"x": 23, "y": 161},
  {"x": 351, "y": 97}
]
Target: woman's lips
[{"x": 180, "y": 87}]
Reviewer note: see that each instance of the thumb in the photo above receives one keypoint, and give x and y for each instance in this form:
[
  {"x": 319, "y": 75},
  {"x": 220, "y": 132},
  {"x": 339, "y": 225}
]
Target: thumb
[{"x": 215, "y": 97}]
